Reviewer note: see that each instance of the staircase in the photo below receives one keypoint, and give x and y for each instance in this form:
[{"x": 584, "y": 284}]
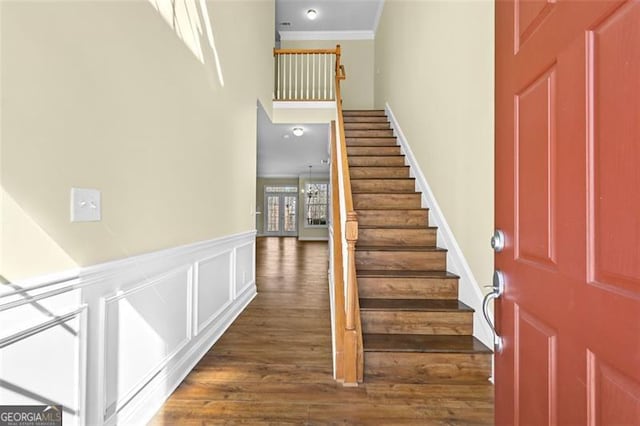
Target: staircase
[{"x": 415, "y": 330}]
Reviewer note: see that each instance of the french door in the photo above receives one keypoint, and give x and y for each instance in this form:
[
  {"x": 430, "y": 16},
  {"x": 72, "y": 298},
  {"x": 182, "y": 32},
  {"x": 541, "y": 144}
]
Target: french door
[
  {"x": 568, "y": 201},
  {"x": 281, "y": 211}
]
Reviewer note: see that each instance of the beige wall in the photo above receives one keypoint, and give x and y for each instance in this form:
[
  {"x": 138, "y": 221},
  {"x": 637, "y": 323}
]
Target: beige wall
[
  {"x": 358, "y": 59},
  {"x": 434, "y": 66},
  {"x": 105, "y": 95}
]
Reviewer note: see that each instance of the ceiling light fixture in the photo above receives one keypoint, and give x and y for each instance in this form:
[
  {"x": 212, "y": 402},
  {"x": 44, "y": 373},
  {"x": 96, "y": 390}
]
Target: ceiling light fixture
[
  {"x": 312, "y": 14},
  {"x": 298, "y": 131}
]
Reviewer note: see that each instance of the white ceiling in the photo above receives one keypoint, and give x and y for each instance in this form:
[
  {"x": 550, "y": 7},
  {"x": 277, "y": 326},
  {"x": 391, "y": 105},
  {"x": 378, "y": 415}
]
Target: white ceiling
[
  {"x": 280, "y": 156},
  {"x": 333, "y": 15}
]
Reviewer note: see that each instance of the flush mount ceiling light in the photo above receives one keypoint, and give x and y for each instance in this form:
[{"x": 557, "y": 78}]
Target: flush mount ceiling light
[
  {"x": 312, "y": 14},
  {"x": 298, "y": 131}
]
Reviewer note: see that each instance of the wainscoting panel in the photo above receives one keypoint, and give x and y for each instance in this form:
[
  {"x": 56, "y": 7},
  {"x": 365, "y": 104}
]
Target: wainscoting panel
[
  {"x": 245, "y": 267},
  {"x": 214, "y": 289},
  {"x": 112, "y": 342},
  {"x": 45, "y": 365},
  {"x": 144, "y": 328}
]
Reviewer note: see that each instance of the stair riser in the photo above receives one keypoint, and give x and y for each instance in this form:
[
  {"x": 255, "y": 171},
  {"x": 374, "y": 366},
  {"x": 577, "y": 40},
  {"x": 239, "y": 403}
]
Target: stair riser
[
  {"x": 399, "y": 367},
  {"x": 382, "y": 185},
  {"x": 365, "y": 119},
  {"x": 414, "y": 322},
  {"x": 397, "y": 237},
  {"x": 386, "y": 201},
  {"x": 376, "y": 161},
  {"x": 374, "y": 150},
  {"x": 378, "y": 172},
  {"x": 371, "y": 142},
  {"x": 364, "y": 113},
  {"x": 367, "y": 133},
  {"x": 393, "y": 218},
  {"x": 366, "y": 126},
  {"x": 407, "y": 288},
  {"x": 401, "y": 260}
]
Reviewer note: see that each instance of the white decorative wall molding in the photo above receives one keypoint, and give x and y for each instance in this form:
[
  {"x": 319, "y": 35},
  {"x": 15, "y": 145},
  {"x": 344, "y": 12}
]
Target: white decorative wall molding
[
  {"x": 22, "y": 352},
  {"x": 469, "y": 289},
  {"x": 327, "y": 35},
  {"x": 134, "y": 327}
]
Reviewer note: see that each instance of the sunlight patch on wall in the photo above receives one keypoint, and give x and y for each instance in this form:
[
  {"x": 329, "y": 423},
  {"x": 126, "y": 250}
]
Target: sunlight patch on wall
[
  {"x": 190, "y": 19},
  {"x": 26, "y": 249}
]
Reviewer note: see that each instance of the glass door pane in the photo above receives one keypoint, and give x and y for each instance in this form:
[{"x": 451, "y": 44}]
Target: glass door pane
[
  {"x": 273, "y": 213},
  {"x": 290, "y": 217}
]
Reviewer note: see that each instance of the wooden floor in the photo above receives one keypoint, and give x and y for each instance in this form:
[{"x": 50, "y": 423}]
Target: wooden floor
[{"x": 273, "y": 365}]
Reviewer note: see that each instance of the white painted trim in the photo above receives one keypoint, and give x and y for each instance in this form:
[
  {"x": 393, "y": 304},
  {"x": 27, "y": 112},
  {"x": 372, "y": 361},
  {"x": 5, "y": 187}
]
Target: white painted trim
[
  {"x": 53, "y": 284},
  {"x": 304, "y": 104},
  {"x": 469, "y": 289},
  {"x": 97, "y": 285},
  {"x": 327, "y": 35},
  {"x": 133, "y": 391},
  {"x": 152, "y": 397},
  {"x": 206, "y": 323},
  {"x": 80, "y": 313},
  {"x": 114, "y": 267}
]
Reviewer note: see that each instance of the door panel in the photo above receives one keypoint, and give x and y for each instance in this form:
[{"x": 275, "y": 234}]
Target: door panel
[{"x": 567, "y": 198}]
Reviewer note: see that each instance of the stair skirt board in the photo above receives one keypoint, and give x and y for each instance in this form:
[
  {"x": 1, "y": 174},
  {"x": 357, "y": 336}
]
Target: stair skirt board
[{"x": 416, "y": 328}]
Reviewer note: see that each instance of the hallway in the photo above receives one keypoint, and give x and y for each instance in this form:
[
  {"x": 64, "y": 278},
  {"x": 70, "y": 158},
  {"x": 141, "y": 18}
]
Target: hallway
[{"x": 273, "y": 365}]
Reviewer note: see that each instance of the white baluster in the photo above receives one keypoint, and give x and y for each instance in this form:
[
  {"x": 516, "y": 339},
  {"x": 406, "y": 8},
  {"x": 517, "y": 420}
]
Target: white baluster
[
  {"x": 325, "y": 76},
  {"x": 295, "y": 78},
  {"x": 332, "y": 67},
  {"x": 307, "y": 76}
]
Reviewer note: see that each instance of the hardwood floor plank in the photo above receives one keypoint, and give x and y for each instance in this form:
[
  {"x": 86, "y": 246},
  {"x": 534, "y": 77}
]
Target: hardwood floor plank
[{"x": 273, "y": 366}]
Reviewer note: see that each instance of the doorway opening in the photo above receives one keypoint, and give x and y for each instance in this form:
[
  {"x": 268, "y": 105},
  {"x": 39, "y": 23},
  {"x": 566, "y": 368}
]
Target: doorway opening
[{"x": 280, "y": 207}]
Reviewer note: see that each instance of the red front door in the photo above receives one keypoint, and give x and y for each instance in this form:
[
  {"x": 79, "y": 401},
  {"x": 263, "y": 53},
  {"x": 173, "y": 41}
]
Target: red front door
[{"x": 568, "y": 201}]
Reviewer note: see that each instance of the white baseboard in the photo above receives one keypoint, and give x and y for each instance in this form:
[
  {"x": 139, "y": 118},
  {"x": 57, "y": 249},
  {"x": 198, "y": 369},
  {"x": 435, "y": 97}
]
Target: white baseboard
[
  {"x": 140, "y": 325},
  {"x": 469, "y": 290}
]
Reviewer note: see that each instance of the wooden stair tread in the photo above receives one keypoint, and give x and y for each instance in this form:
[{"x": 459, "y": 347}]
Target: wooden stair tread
[
  {"x": 389, "y": 209},
  {"x": 425, "y": 343},
  {"x": 369, "y": 273},
  {"x": 400, "y": 248},
  {"x": 427, "y": 305},
  {"x": 396, "y": 226},
  {"x": 356, "y": 111},
  {"x": 394, "y": 178},
  {"x": 375, "y": 137},
  {"x": 390, "y": 193},
  {"x": 394, "y": 156}
]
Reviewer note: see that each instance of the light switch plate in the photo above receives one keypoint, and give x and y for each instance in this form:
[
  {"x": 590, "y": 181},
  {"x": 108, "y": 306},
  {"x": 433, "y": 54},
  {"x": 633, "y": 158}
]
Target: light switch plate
[{"x": 85, "y": 205}]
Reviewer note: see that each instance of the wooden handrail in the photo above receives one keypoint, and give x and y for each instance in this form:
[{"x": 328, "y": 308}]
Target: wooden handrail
[
  {"x": 353, "y": 355},
  {"x": 338, "y": 265},
  {"x": 302, "y": 51}
]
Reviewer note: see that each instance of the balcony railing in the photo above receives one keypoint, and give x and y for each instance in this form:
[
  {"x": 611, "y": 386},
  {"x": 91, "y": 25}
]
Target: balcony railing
[{"x": 305, "y": 74}]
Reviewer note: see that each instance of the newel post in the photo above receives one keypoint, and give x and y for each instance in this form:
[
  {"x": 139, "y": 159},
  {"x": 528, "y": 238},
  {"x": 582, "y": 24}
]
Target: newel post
[{"x": 350, "y": 335}]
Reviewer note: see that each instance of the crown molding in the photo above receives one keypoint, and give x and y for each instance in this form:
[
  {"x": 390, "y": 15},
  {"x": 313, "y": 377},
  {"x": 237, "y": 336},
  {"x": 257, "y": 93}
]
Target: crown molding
[{"x": 327, "y": 35}]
